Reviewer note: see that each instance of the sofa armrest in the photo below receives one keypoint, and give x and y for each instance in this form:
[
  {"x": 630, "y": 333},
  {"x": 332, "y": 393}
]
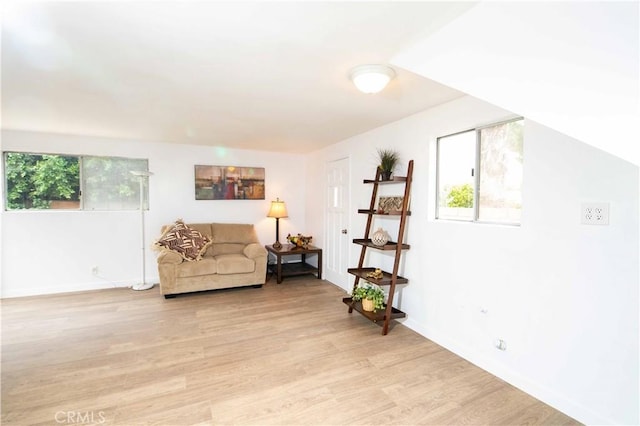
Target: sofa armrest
[
  {"x": 171, "y": 257},
  {"x": 254, "y": 250}
]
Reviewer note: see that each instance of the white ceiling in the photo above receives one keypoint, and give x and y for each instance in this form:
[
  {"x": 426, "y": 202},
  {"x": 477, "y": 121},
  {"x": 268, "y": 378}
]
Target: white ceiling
[{"x": 254, "y": 75}]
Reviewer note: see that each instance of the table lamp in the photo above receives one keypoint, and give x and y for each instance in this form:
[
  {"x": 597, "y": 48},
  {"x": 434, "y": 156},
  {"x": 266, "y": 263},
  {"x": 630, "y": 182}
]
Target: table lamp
[{"x": 277, "y": 210}]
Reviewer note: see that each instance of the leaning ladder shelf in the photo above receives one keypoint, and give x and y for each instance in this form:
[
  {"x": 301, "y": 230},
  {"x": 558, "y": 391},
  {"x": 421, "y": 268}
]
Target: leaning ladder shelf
[{"x": 390, "y": 279}]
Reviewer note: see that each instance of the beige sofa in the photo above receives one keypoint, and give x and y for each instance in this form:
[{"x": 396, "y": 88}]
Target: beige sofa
[{"x": 235, "y": 258}]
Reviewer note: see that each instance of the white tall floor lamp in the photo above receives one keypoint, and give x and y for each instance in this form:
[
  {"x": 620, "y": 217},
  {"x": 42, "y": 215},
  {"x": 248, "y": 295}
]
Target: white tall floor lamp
[{"x": 142, "y": 175}]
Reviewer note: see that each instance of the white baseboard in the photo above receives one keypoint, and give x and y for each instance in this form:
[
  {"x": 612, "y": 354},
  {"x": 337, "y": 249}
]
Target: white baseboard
[{"x": 39, "y": 291}]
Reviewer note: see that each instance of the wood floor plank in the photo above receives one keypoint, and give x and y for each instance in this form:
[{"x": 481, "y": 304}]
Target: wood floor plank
[{"x": 283, "y": 354}]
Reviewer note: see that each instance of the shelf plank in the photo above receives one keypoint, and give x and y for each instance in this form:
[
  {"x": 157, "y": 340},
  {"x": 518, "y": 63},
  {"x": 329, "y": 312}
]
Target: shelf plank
[
  {"x": 395, "y": 179},
  {"x": 397, "y": 213},
  {"x": 373, "y": 316},
  {"x": 385, "y": 280},
  {"x": 296, "y": 268},
  {"x": 389, "y": 246}
]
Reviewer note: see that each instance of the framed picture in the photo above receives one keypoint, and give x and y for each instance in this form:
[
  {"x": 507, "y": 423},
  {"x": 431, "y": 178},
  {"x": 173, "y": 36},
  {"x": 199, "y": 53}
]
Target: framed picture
[
  {"x": 390, "y": 204},
  {"x": 229, "y": 183}
]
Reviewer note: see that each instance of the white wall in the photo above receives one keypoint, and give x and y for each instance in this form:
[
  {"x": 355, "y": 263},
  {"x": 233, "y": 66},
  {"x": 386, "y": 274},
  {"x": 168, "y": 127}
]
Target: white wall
[
  {"x": 564, "y": 296},
  {"x": 54, "y": 251}
]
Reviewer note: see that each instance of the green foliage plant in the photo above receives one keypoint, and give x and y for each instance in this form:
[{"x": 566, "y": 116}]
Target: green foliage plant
[
  {"x": 33, "y": 181},
  {"x": 371, "y": 292},
  {"x": 388, "y": 159},
  {"x": 460, "y": 196}
]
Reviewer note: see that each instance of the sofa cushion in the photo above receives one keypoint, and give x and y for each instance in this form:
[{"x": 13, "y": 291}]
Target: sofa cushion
[
  {"x": 234, "y": 264},
  {"x": 188, "y": 242},
  {"x": 233, "y": 233},
  {"x": 226, "y": 248},
  {"x": 206, "y": 266}
]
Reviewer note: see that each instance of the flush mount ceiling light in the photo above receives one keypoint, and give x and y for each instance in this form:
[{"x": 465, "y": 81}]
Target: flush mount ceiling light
[{"x": 371, "y": 78}]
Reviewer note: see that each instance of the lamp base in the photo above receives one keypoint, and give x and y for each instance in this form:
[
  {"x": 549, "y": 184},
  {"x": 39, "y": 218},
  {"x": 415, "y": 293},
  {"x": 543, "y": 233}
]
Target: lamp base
[
  {"x": 277, "y": 245},
  {"x": 142, "y": 286}
]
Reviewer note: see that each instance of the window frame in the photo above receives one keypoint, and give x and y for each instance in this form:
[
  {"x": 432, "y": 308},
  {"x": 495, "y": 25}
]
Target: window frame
[
  {"x": 81, "y": 189},
  {"x": 476, "y": 174}
]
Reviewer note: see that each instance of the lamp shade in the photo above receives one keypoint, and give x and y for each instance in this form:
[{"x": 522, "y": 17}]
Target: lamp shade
[
  {"x": 371, "y": 78},
  {"x": 278, "y": 209}
]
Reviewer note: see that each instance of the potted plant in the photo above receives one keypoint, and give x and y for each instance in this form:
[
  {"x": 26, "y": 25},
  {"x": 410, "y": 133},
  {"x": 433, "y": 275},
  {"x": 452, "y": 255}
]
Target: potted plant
[
  {"x": 388, "y": 160},
  {"x": 371, "y": 295}
]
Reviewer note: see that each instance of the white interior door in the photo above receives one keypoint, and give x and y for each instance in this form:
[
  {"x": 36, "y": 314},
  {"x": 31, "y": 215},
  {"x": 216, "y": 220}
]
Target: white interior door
[{"x": 336, "y": 252}]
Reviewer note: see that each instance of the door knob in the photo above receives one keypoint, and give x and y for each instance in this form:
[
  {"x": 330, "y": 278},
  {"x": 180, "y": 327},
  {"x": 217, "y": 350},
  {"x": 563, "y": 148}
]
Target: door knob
[{"x": 344, "y": 231}]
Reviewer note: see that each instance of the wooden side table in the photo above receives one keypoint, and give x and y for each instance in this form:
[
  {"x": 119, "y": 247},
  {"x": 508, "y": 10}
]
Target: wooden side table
[{"x": 290, "y": 269}]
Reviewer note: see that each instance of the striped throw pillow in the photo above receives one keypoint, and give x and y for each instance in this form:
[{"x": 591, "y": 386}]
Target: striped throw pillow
[{"x": 182, "y": 239}]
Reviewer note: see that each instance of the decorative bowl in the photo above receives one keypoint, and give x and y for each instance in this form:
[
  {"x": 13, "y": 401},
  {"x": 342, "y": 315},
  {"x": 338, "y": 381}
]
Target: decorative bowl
[{"x": 299, "y": 240}]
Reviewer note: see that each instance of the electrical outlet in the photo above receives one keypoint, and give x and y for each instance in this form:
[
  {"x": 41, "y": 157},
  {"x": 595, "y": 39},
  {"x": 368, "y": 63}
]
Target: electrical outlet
[
  {"x": 500, "y": 344},
  {"x": 95, "y": 270},
  {"x": 595, "y": 214}
]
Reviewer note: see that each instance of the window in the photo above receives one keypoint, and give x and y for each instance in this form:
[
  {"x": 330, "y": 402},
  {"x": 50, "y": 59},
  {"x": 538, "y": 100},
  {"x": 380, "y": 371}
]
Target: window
[
  {"x": 479, "y": 174},
  {"x": 107, "y": 183},
  {"x": 51, "y": 181}
]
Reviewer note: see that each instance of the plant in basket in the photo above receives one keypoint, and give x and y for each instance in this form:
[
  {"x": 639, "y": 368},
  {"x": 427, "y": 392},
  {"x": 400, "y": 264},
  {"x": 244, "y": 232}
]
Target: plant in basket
[{"x": 371, "y": 295}]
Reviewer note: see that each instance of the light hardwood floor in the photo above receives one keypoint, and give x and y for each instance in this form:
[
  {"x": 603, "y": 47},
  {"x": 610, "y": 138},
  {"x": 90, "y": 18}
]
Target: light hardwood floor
[{"x": 284, "y": 354}]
